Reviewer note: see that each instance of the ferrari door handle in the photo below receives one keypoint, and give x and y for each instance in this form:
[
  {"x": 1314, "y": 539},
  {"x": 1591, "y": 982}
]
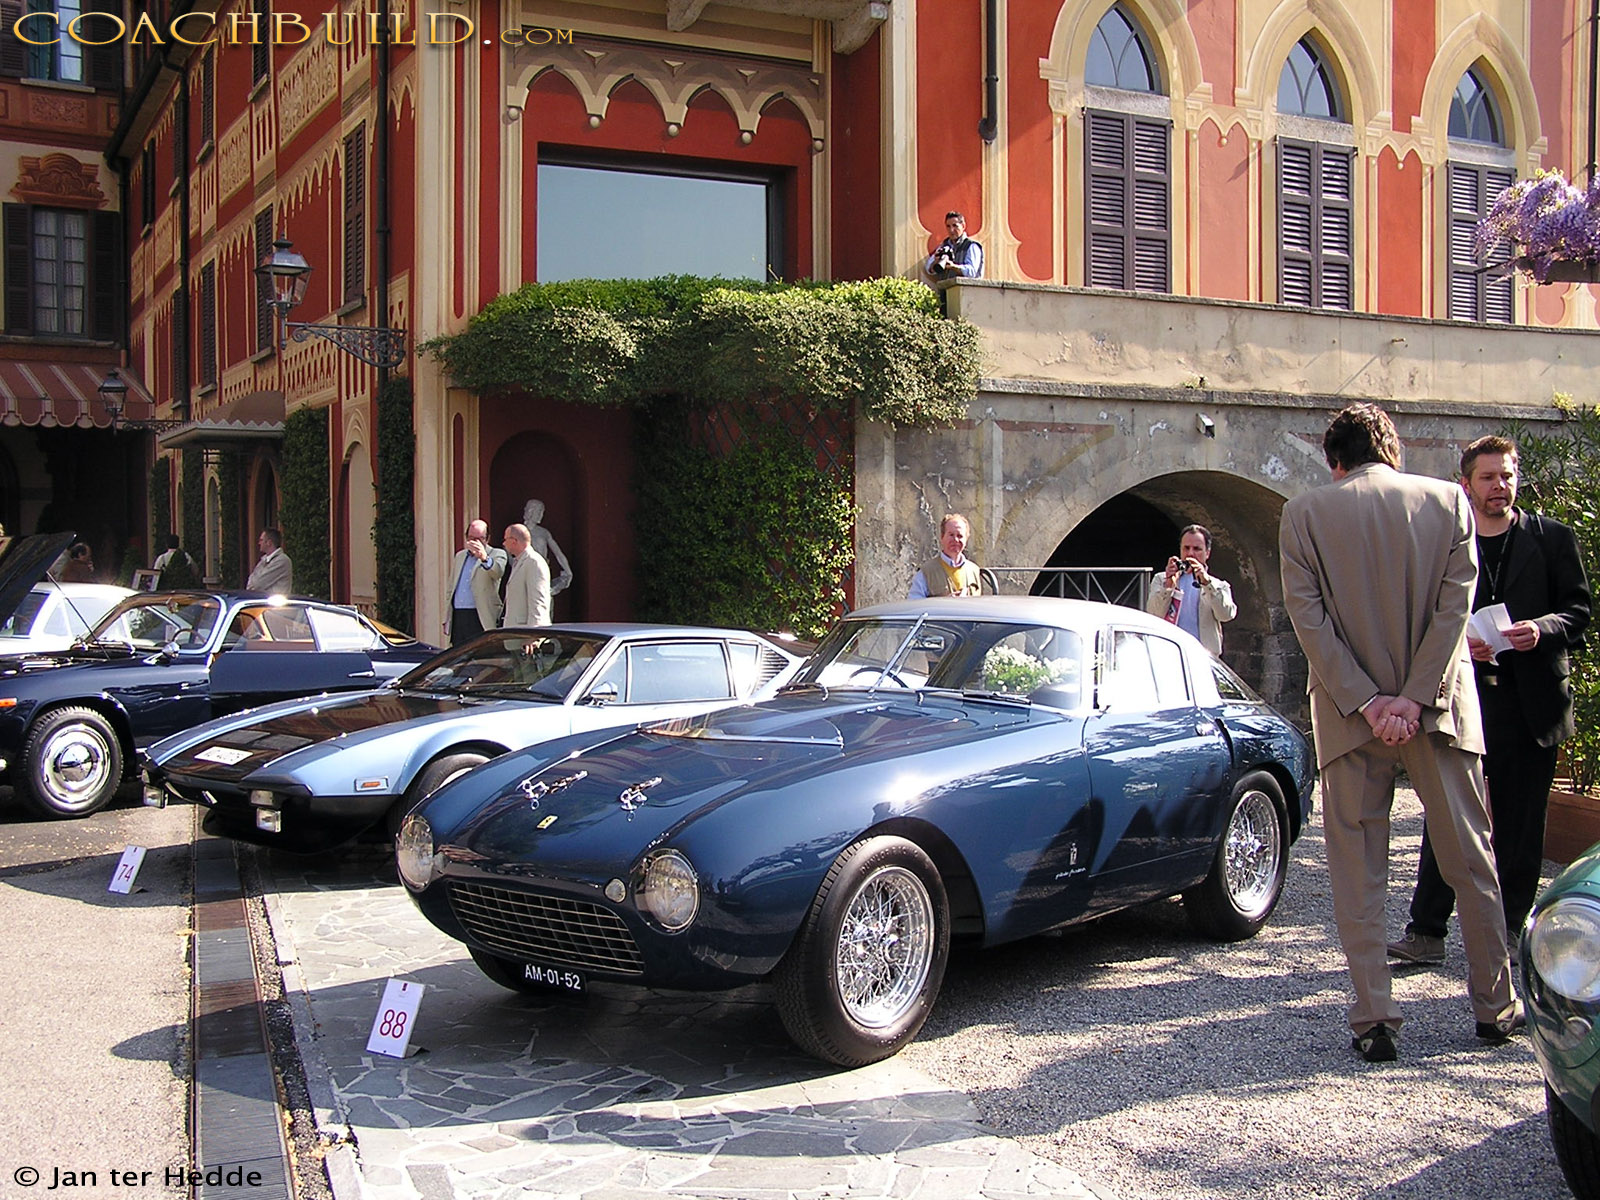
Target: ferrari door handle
[
  {"x": 1203, "y": 728},
  {"x": 362, "y": 675}
]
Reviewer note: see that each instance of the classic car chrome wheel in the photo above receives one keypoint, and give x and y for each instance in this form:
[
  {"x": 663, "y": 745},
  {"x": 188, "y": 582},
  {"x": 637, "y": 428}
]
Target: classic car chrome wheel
[
  {"x": 863, "y": 972},
  {"x": 885, "y": 947},
  {"x": 1247, "y": 874},
  {"x": 1576, "y": 1145},
  {"x": 72, "y": 763}
]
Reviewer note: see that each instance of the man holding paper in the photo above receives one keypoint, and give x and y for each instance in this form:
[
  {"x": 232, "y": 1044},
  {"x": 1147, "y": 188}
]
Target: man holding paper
[{"x": 1530, "y": 607}]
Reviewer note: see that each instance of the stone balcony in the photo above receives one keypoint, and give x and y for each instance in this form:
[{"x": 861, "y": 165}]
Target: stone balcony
[{"x": 1089, "y": 343}]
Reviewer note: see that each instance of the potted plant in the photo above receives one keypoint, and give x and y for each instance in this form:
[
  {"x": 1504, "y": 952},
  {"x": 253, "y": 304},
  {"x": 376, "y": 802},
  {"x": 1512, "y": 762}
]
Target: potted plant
[
  {"x": 1557, "y": 473},
  {"x": 1554, "y": 225}
]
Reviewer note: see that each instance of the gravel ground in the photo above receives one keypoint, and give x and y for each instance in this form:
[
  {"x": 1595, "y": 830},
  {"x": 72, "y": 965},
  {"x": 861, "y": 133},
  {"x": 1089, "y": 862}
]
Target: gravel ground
[{"x": 1157, "y": 1065}]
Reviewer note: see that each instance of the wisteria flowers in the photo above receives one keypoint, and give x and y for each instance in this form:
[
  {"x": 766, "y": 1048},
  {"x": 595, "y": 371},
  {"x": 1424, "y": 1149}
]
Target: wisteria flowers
[{"x": 1549, "y": 220}]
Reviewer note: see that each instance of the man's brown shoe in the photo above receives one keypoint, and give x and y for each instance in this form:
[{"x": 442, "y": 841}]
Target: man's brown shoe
[{"x": 1420, "y": 949}]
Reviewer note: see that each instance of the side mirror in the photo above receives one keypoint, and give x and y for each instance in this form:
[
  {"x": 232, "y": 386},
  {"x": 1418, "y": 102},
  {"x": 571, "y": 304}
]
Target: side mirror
[
  {"x": 605, "y": 693},
  {"x": 171, "y": 648}
]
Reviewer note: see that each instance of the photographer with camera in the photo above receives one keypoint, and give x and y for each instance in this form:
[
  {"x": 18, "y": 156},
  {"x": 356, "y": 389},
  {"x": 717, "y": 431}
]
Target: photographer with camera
[
  {"x": 958, "y": 256},
  {"x": 1188, "y": 595}
]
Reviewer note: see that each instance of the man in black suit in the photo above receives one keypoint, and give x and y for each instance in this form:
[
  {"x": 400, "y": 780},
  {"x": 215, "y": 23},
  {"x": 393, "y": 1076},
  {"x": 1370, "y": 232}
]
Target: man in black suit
[{"x": 1530, "y": 564}]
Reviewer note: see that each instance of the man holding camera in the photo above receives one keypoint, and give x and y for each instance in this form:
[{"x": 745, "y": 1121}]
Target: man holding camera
[
  {"x": 958, "y": 256},
  {"x": 1190, "y": 596}
]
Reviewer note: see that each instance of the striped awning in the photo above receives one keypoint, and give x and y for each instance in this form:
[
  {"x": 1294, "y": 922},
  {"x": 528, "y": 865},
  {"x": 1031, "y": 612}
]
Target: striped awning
[{"x": 54, "y": 393}]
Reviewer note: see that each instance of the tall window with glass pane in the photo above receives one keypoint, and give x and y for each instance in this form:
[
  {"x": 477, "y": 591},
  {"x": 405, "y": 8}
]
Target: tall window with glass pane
[
  {"x": 1316, "y": 188},
  {"x": 60, "y": 271},
  {"x": 1128, "y": 161},
  {"x": 1480, "y": 168}
]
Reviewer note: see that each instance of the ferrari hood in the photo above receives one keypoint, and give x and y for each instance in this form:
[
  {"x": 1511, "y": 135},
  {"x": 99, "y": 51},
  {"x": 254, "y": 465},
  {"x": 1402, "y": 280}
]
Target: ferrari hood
[
  {"x": 24, "y": 562},
  {"x": 584, "y": 815},
  {"x": 244, "y": 749}
]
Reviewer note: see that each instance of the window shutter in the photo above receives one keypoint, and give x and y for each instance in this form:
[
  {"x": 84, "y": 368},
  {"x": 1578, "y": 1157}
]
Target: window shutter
[
  {"x": 1296, "y": 218},
  {"x": 1128, "y": 209},
  {"x": 106, "y": 300},
  {"x": 1474, "y": 294},
  {"x": 208, "y": 97},
  {"x": 180, "y": 347},
  {"x": 102, "y": 65},
  {"x": 18, "y": 235},
  {"x": 263, "y": 283},
  {"x": 355, "y": 214},
  {"x": 1337, "y": 198},
  {"x": 208, "y": 325},
  {"x": 261, "y": 51},
  {"x": 1316, "y": 212},
  {"x": 13, "y": 53}
]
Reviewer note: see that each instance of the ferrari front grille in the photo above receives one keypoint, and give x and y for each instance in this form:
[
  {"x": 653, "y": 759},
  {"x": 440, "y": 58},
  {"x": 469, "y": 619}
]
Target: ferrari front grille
[{"x": 550, "y": 929}]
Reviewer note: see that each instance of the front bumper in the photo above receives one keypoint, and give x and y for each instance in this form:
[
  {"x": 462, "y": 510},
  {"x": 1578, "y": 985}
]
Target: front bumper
[{"x": 283, "y": 819}]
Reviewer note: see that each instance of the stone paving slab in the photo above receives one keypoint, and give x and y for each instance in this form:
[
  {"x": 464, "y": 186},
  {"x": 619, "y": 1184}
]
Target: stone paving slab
[{"x": 626, "y": 1095}]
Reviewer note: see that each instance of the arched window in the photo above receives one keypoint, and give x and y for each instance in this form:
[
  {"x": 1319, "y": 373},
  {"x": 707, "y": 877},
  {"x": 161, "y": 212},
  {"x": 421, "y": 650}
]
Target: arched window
[
  {"x": 1119, "y": 56},
  {"x": 1480, "y": 168},
  {"x": 1128, "y": 167},
  {"x": 1306, "y": 89},
  {"x": 1316, "y": 187},
  {"x": 1473, "y": 115}
]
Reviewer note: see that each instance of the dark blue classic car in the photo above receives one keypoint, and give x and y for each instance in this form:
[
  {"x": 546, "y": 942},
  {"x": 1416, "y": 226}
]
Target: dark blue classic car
[
  {"x": 979, "y": 769},
  {"x": 71, "y": 721}
]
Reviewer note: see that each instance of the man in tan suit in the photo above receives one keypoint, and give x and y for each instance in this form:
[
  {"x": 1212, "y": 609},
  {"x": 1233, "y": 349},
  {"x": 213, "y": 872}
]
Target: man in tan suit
[
  {"x": 1378, "y": 570},
  {"x": 525, "y": 586},
  {"x": 475, "y": 573}
]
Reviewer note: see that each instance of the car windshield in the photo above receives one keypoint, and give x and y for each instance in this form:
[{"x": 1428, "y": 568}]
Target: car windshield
[
  {"x": 514, "y": 664},
  {"x": 1042, "y": 663},
  {"x": 151, "y": 621},
  {"x": 21, "y": 622}
]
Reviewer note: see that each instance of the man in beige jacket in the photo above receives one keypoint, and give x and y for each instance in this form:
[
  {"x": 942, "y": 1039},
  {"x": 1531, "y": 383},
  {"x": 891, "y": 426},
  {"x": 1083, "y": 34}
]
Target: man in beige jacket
[{"x": 1378, "y": 569}]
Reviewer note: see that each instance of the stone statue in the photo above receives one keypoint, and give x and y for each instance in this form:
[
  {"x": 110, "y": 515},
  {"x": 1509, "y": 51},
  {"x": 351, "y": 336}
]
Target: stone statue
[{"x": 544, "y": 545}]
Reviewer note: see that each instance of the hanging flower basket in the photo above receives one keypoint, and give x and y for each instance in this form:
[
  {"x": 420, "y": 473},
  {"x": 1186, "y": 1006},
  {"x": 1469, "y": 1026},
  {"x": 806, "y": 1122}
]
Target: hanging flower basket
[
  {"x": 1554, "y": 226},
  {"x": 1558, "y": 270}
]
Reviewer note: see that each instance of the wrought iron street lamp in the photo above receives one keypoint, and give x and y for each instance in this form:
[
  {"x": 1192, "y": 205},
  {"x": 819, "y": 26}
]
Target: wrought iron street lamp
[
  {"x": 287, "y": 272},
  {"x": 113, "y": 393}
]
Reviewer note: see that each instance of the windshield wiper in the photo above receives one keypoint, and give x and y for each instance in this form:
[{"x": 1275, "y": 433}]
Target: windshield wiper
[{"x": 982, "y": 696}]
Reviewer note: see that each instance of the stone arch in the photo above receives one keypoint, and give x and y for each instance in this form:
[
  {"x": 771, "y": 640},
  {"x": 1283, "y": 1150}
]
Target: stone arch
[
  {"x": 1348, "y": 56},
  {"x": 1164, "y": 22},
  {"x": 1480, "y": 39}
]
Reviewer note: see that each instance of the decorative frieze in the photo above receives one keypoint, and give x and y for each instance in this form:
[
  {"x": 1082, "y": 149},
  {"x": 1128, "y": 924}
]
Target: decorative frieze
[
  {"x": 233, "y": 158},
  {"x": 58, "y": 179},
  {"x": 306, "y": 83}
]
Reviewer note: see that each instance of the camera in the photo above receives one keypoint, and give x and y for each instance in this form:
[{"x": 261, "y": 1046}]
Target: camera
[{"x": 1189, "y": 565}]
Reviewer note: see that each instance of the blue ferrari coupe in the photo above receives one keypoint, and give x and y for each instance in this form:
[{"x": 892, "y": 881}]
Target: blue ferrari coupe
[{"x": 974, "y": 770}]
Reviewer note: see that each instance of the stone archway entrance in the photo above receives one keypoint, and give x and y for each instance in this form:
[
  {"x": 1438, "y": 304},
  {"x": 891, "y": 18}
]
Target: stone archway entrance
[{"x": 538, "y": 466}]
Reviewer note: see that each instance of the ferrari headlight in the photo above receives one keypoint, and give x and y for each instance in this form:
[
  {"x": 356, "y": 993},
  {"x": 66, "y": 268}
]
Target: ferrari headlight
[
  {"x": 414, "y": 856},
  {"x": 669, "y": 893},
  {"x": 1565, "y": 944}
]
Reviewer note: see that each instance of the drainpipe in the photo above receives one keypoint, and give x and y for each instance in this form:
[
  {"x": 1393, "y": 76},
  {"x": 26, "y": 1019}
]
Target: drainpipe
[
  {"x": 1594, "y": 67},
  {"x": 380, "y": 203},
  {"x": 989, "y": 127}
]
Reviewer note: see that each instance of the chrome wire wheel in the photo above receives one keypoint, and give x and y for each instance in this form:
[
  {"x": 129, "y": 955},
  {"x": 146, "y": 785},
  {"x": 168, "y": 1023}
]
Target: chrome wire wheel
[
  {"x": 885, "y": 947},
  {"x": 1252, "y": 850}
]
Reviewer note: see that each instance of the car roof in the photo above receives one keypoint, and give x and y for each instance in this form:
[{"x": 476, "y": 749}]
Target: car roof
[
  {"x": 1028, "y": 610},
  {"x": 641, "y": 629}
]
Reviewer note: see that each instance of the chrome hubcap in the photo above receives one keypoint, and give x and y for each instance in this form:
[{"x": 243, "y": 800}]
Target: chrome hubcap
[
  {"x": 885, "y": 947},
  {"x": 1253, "y": 849},
  {"x": 76, "y": 762}
]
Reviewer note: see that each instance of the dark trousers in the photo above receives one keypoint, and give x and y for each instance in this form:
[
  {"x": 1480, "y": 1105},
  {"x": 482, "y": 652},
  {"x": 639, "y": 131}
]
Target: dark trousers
[
  {"x": 464, "y": 625},
  {"x": 1518, "y": 773}
]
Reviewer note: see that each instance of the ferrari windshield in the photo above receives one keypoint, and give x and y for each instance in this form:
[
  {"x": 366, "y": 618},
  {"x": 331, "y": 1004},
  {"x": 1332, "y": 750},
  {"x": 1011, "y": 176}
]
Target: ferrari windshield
[
  {"x": 151, "y": 621},
  {"x": 1039, "y": 662},
  {"x": 520, "y": 663}
]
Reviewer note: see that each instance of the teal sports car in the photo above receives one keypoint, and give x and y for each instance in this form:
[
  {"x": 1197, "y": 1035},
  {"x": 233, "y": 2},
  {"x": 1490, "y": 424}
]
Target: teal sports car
[{"x": 1561, "y": 989}]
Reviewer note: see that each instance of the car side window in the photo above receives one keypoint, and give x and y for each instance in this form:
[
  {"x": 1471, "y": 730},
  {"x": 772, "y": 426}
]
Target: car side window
[
  {"x": 667, "y": 672},
  {"x": 1143, "y": 673},
  {"x": 341, "y": 630}
]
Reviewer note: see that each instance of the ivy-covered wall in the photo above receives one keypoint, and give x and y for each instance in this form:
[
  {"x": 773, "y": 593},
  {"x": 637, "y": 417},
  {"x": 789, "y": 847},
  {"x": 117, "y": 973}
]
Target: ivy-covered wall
[
  {"x": 160, "y": 499},
  {"x": 757, "y": 530},
  {"x": 394, "y": 525},
  {"x": 305, "y": 488},
  {"x": 193, "y": 501}
]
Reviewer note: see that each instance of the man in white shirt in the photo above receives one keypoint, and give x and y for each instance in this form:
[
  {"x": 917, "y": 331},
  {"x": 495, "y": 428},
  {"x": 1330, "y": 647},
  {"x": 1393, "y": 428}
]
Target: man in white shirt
[{"x": 274, "y": 573}]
